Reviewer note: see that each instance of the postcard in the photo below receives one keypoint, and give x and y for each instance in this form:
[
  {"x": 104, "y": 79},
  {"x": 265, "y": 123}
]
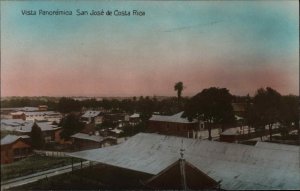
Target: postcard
[{"x": 156, "y": 95}]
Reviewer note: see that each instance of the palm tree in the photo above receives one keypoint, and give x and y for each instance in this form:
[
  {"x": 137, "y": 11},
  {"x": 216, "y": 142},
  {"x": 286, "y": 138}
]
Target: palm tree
[{"x": 178, "y": 87}]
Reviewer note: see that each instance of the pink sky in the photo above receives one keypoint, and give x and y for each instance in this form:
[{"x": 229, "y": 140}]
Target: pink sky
[{"x": 237, "y": 45}]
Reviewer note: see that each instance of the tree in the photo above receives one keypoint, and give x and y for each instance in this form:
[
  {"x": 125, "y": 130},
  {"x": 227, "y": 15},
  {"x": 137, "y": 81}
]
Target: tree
[
  {"x": 67, "y": 105},
  {"x": 212, "y": 105},
  {"x": 178, "y": 87},
  {"x": 145, "y": 106},
  {"x": 70, "y": 125},
  {"x": 289, "y": 113},
  {"x": 37, "y": 139},
  {"x": 267, "y": 106}
]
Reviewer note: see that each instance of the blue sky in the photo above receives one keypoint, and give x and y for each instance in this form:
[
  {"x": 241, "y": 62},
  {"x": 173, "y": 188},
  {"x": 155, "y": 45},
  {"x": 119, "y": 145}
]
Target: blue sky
[{"x": 240, "y": 45}]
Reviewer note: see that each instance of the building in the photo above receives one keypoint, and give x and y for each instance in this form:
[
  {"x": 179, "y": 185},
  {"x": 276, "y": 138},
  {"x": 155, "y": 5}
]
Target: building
[
  {"x": 232, "y": 166},
  {"x": 15, "y": 125},
  {"x": 40, "y": 113},
  {"x": 114, "y": 132},
  {"x": 239, "y": 109},
  {"x": 18, "y": 115},
  {"x": 94, "y": 117},
  {"x": 173, "y": 125},
  {"x": 49, "y": 132},
  {"x": 114, "y": 118},
  {"x": 181, "y": 175},
  {"x": 134, "y": 119},
  {"x": 43, "y": 107},
  {"x": 14, "y": 148},
  {"x": 50, "y": 116},
  {"x": 37, "y": 116},
  {"x": 87, "y": 141},
  {"x": 243, "y": 133},
  {"x": 21, "y": 127},
  {"x": 230, "y": 135}
]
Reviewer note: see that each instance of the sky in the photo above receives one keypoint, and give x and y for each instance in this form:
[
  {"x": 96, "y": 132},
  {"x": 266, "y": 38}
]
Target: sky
[{"x": 239, "y": 45}]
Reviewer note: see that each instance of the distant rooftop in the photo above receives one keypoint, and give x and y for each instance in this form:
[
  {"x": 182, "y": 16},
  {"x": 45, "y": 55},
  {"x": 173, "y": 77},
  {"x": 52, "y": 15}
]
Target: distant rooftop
[
  {"x": 84, "y": 136},
  {"x": 231, "y": 131},
  {"x": 19, "y": 125},
  {"x": 177, "y": 118},
  {"x": 8, "y": 139},
  {"x": 135, "y": 115},
  {"x": 28, "y": 109},
  {"x": 91, "y": 113},
  {"x": 117, "y": 131}
]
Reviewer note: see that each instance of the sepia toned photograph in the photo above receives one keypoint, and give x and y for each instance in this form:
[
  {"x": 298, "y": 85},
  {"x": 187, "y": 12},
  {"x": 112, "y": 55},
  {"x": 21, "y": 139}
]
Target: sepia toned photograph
[{"x": 150, "y": 95}]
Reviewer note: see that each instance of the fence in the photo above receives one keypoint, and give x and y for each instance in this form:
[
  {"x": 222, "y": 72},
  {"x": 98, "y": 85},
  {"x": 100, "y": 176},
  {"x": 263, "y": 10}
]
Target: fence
[{"x": 50, "y": 153}]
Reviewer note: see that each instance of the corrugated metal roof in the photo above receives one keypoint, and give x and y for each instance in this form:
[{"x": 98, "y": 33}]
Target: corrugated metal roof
[
  {"x": 91, "y": 113},
  {"x": 177, "y": 118},
  {"x": 277, "y": 146},
  {"x": 237, "y": 166},
  {"x": 84, "y": 136},
  {"x": 8, "y": 139}
]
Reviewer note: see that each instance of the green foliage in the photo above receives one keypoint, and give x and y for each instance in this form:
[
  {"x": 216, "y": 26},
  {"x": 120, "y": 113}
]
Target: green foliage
[
  {"x": 67, "y": 105},
  {"x": 106, "y": 124},
  {"x": 178, "y": 87},
  {"x": 270, "y": 107},
  {"x": 71, "y": 125},
  {"x": 212, "y": 105},
  {"x": 146, "y": 107},
  {"x": 37, "y": 139},
  {"x": 290, "y": 110},
  {"x": 143, "y": 105},
  {"x": 133, "y": 130},
  {"x": 266, "y": 108},
  {"x": 267, "y": 105},
  {"x": 31, "y": 165},
  {"x": 28, "y": 102}
]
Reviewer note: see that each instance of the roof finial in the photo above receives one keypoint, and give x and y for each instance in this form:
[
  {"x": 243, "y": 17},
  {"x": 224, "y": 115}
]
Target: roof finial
[
  {"x": 182, "y": 168},
  {"x": 182, "y": 150}
]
